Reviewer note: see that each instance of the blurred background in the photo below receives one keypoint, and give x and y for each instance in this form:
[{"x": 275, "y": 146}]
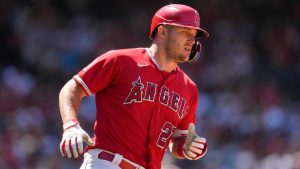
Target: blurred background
[{"x": 248, "y": 76}]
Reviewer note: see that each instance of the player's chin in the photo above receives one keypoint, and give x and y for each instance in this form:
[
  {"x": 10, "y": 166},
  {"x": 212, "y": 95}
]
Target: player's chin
[{"x": 182, "y": 59}]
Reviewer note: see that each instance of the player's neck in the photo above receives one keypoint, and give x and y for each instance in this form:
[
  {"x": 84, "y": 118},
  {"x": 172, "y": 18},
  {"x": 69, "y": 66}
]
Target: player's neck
[{"x": 160, "y": 57}]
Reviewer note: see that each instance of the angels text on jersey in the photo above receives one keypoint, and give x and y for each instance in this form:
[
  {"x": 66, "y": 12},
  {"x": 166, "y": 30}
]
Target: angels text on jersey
[{"x": 166, "y": 97}]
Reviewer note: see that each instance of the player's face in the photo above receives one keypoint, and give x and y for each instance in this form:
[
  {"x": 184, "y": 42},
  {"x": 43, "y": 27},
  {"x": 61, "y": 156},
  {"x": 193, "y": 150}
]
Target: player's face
[{"x": 179, "y": 43}]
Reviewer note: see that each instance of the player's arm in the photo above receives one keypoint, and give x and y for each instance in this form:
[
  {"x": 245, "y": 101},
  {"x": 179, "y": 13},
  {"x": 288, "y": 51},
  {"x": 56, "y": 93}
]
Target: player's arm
[
  {"x": 73, "y": 135},
  {"x": 69, "y": 100},
  {"x": 187, "y": 144}
]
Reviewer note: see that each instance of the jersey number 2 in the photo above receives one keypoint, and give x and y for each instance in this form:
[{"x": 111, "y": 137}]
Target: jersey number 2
[{"x": 166, "y": 131}]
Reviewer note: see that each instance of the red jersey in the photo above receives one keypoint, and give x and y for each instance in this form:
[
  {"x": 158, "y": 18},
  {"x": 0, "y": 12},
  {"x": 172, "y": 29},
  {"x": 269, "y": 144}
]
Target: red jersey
[{"x": 138, "y": 104}]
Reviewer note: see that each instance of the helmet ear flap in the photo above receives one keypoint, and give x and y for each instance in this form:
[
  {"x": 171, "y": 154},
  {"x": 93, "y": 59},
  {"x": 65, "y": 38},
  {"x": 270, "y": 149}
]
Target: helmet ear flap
[{"x": 195, "y": 52}]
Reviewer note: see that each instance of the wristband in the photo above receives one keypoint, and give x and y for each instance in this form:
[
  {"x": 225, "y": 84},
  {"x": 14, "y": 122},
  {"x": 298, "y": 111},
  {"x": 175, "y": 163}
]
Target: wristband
[{"x": 70, "y": 123}]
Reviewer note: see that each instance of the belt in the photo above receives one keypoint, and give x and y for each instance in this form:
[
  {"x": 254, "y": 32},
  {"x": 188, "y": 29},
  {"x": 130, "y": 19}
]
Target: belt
[{"x": 124, "y": 164}]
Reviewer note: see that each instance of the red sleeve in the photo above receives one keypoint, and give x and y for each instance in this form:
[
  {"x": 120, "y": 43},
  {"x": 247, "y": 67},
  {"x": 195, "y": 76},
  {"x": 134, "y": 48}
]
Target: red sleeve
[
  {"x": 191, "y": 114},
  {"x": 98, "y": 74}
]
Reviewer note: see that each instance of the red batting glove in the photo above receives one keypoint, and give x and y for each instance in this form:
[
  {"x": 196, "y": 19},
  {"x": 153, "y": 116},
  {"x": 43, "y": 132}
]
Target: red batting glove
[{"x": 73, "y": 138}]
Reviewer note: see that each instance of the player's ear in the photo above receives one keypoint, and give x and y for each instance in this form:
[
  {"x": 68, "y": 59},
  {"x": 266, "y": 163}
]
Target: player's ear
[{"x": 162, "y": 31}]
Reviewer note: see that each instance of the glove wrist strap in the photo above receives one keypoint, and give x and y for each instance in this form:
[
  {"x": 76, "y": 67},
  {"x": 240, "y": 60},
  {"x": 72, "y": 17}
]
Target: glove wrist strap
[{"x": 70, "y": 123}]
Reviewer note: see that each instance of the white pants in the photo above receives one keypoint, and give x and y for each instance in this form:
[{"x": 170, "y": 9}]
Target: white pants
[{"x": 91, "y": 161}]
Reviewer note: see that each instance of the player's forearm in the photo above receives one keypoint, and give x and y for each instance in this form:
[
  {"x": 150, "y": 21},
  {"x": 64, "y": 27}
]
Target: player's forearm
[{"x": 69, "y": 100}]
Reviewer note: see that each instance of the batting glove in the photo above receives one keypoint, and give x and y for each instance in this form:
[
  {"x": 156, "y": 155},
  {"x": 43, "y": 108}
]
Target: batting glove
[
  {"x": 195, "y": 147},
  {"x": 73, "y": 138}
]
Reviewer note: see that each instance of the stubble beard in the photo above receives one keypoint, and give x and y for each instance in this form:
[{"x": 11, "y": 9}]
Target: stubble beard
[{"x": 172, "y": 54}]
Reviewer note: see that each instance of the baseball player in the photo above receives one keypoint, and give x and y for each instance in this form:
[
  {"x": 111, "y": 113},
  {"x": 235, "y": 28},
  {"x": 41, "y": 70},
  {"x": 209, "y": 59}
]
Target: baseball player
[{"x": 145, "y": 102}]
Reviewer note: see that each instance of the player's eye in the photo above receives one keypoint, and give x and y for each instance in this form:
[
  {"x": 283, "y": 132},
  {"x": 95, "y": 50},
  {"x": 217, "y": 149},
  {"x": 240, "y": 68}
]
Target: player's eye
[{"x": 185, "y": 32}]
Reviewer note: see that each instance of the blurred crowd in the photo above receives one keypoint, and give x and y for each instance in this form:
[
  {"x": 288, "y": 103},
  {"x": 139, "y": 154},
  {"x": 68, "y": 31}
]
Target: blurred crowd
[{"x": 248, "y": 77}]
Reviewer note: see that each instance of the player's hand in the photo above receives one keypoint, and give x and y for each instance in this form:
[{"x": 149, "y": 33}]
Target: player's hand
[
  {"x": 72, "y": 140},
  {"x": 195, "y": 147}
]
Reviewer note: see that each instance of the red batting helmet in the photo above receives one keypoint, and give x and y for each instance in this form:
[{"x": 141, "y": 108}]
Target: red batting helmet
[{"x": 177, "y": 15}]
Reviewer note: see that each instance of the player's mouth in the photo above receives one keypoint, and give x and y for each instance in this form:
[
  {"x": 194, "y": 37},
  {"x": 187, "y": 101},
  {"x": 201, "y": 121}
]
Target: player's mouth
[{"x": 188, "y": 49}]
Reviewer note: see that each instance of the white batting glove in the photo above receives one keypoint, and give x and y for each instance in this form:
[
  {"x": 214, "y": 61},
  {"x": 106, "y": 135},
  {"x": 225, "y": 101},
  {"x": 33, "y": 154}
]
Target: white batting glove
[
  {"x": 195, "y": 147},
  {"x": 73, "y": 138}
]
